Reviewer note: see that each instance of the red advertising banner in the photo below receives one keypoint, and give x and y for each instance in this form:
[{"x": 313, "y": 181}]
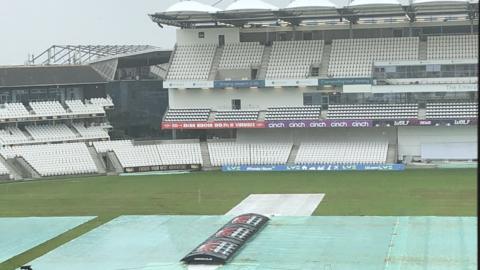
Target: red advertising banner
[{"x": 213, "y": 125}]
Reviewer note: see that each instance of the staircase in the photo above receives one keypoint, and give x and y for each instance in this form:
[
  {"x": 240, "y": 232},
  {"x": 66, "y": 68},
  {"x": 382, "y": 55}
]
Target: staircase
[
  {"x": 160, "y": 71},
  {"x": 261, "y": 115},
  {"x": 13, "y": 172},
  {"x": 74, "y": 130},
  {"x": 215, "y": 63},
  {"x": 323, "y": 70},
  {"x": 101, "y": 168},
  {"x": 205, "y": 155},
  {"x": 265, "y": 60},
  {"x": 22, "y": 166},
  {"x": 422, "y": 50},
  {"x": 113, "y": 163},
  {"x": 293, "y": 154},
  {"x": 211, "y": 116},
  {"x": 392, "y": 153},
  {"x": 422, "y": 113}
]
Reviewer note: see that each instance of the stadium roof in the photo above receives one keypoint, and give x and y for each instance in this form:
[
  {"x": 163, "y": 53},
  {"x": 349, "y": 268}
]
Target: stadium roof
[
  {"x": 302, "y": 4},
  {"x": 245, "y": 12},
  {"x": 22, "y": 76},
  {"x": 250, "y": 5},
  {"x": 189, "y": 6},
  {"x": 81, "y": 54}
]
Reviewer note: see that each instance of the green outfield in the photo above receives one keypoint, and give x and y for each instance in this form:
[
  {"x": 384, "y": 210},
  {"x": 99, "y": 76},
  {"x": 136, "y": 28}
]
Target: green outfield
[
  {"x": 448, "y": 192},
  {"x": 413, "y": 192}
]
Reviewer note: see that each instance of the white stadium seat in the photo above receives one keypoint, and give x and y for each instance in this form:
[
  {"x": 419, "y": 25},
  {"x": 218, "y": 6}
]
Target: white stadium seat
[
  {"x": 372, "y": 111},
  {"x": 131, "y": 155},
  {"x": 293, "y": 59},
  {"x": 58, "y": 159},
  {"x": 452, "y": 47},
  {"x": 191, "y": 62},
  {"x": 355, "y": 57},
  {"x": 241, "y": 55},
  {"x": 336, "y": 151},
  {"x": 232, "y": 153}
]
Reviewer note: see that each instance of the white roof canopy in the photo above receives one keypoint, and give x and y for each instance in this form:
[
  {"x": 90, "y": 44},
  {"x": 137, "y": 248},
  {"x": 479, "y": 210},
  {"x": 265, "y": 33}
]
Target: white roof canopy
[
  {"x": 374, "y": 2},
  {"x": 249, "y": 5},
  {"x": 310, "y": 4},
  {"x": 191, "y": 7},
  {"x": 414, "y": 2}
]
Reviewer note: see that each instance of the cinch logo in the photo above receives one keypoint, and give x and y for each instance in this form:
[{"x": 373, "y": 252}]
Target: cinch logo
[
  {"x": 339, "y": 124},
  {"x": 360, "y": 124},
  {"x": 461, "y": 122},
  {"x": 300, "y": 125},
  {"x": 318, "y": 124},
  {"x": 276, "y": 125}
]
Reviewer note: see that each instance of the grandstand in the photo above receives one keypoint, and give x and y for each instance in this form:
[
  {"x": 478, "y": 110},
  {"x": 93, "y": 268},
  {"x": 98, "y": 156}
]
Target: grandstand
[
  {"x": 359, "y": 85},
  {"x": 320, "y": 87}
]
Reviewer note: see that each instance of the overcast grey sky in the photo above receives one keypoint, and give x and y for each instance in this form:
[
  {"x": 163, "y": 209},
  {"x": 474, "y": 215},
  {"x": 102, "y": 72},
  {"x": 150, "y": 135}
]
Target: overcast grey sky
[{"x": 31, "y": 26}]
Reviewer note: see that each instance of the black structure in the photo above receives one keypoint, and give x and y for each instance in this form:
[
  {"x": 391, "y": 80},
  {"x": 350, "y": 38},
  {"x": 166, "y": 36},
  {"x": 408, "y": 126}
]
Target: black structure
[
  {"x": 28, "y": 76},
  {"x": 225, "y": 243}
]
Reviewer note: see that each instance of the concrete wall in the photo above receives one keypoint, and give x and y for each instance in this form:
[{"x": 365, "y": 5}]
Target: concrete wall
[
  {"x": 410, "y": 139},
  {"x": 190, "y": 36},
  {"x": 221, "y": 99}
]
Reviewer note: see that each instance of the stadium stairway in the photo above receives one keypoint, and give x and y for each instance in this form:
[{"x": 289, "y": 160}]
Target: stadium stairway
[
  {"x": 21, "y": 165},
  {"x": 215, "y": 64},
  {"x": 293, "y": 154},
  {"x": 97, "y": 159},
  {"x": 264, "y": 66},
  {"x": 207, "y": 164},
  {"x": 12, "y": 170},
  {"x": 113, "y": 163},
  {"x": 422, "y": 113},
  {"x": 422, "y": 50},
  {"x": 74, "y": 130},
  {"x": 323, "y": 70},
  {"x": 392, "y": 153}
]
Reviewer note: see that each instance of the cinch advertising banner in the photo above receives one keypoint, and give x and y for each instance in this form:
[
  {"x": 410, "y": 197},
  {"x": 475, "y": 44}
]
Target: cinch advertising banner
[
  {"x": 318, "y": 123},
  {"x": 314, "y": 167}
]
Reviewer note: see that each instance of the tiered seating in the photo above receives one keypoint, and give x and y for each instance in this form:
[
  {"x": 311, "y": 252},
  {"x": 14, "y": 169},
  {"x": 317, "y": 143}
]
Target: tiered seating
[
  {"x": 241, "y": 55},
  {"x": 48, "y": 108},
  {"x": 91, "y": 132},
  {"x": 236, "y": 115},
  {"x": 452, "y": 47},
  {"x": 50, "y": 133},
  {"x": 342, "y": 152},
  {"x": 293, "y": 59},
  {"x": 192, "y": 62},
  {"x": 102, "y": 102},
  {"x": 106, "y": 146},
  {"x": 355, "y": 57},
  {"x": 187, "y": 115},
  {"x": 131, "y": 155},
  {"x": 78, "y": 107},
  {"x": 293, "y": 113},
  {"x": 12, "y": 135},
  {"x": 180, "y": 153},
  {"x": 451, "y": 110},
  {"x": 3, "y": 170},
  {"x": 372, "y": 111},
  {"x": 58, "y": 159},
  {"x": 8, "y": 152},
  {"x": 232, "y": 153},
  {"x": 13, "y": 110}
]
